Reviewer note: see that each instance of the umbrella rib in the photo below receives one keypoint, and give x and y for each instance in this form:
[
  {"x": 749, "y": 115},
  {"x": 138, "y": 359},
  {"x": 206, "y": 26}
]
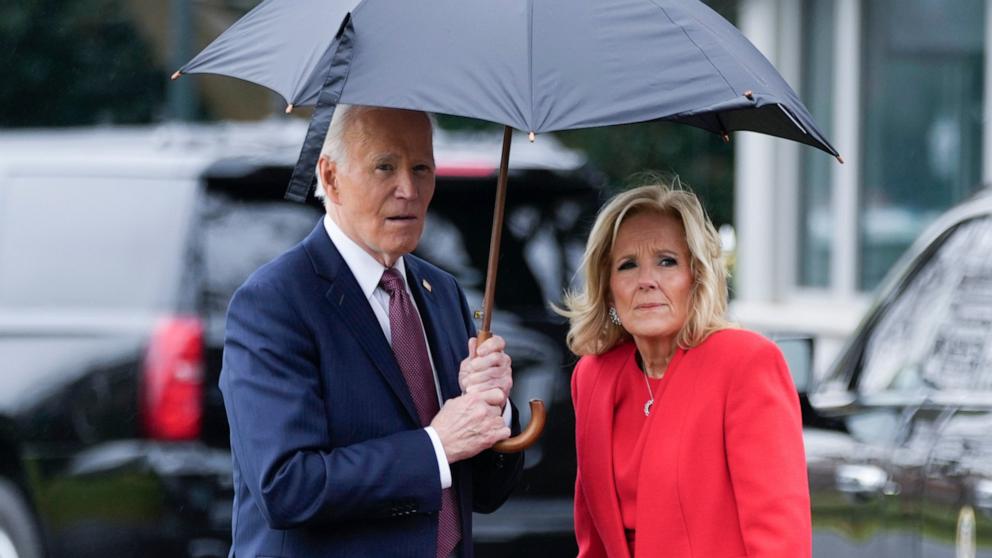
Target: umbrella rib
[
  {"x": 530, "y": 57},
  {"x": 794, "y": 121},
  {"x": 701, "y": 50}
]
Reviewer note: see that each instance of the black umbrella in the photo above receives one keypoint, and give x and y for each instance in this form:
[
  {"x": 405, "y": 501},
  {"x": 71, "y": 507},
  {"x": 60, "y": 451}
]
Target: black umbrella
[{"x": 534, "y": 65}]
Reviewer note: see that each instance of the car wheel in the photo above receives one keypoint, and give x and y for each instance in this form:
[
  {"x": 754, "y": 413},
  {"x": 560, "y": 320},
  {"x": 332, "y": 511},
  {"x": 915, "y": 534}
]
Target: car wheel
[{"x": 18, "y": 533}]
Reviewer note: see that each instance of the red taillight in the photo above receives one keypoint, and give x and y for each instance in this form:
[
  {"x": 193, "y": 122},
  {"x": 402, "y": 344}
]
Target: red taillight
[{"x": 172, "y": 394}]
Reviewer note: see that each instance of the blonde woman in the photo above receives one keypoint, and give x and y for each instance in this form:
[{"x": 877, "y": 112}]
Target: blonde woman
[{"x": 688, "y": 431}]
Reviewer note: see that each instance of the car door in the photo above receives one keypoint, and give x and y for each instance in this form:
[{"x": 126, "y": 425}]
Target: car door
[
  {"x": 918, "y": 347},
  {"x": 957, "y": 522},
  {"x": 957, "y": 507},
  {"x": 851, "y": 486}
]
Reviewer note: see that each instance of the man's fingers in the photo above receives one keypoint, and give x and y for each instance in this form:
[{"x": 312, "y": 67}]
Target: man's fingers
[
  {"x": 494, "y": 344},
  {"x": 492, "y": 360},
  {"x": 472, "y": 346},
  {"x": 494, "y": 398}
]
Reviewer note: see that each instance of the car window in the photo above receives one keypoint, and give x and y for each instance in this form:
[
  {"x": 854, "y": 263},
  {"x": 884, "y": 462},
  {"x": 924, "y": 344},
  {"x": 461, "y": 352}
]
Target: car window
[
  {"x": 545, "y": 228},
  {"x": 935, "y": 333},
  {"x": 85, "y": 244},
  {"x": 240, "y": 233}
]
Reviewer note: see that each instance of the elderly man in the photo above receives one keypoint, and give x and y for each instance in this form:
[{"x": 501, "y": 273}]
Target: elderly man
[{"x": 361, "y": 409}]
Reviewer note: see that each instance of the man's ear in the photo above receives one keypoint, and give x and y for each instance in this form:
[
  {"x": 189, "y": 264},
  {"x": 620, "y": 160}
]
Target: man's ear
[{"x": 328, "y": 171}]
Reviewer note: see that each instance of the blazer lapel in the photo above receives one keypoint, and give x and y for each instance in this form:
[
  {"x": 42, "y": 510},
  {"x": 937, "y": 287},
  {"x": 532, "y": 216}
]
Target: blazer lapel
[
  {"x": 598, "y": 463},
  {"x": 348, "y": 303},
  {"x": 445, "y": 355},
  {"x": 660, "y": 524}
]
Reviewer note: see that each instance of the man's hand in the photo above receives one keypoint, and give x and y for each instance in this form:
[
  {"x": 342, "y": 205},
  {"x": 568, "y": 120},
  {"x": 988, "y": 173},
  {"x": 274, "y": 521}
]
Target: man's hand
[
  {"x": 487, "y": 368},
  {"x": 469, "y": 424}
]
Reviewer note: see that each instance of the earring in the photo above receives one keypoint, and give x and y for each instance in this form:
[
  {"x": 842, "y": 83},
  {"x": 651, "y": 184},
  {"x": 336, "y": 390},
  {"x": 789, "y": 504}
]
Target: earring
[{"x": 614, "y": 317}]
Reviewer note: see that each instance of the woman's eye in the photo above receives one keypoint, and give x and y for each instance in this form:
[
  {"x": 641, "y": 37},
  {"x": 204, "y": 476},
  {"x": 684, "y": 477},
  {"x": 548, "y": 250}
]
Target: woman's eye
[
  {"x": 626, "y": 265},
  {"x": 667, "y": 262}
]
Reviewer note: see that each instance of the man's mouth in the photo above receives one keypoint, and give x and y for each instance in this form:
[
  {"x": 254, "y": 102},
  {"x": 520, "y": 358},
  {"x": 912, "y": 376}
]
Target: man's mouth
[{"x": 401, "y": 218}]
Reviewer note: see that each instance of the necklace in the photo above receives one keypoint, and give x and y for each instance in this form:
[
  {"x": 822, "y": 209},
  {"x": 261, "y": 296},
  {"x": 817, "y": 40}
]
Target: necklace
[{"x": 650, "y": 402}]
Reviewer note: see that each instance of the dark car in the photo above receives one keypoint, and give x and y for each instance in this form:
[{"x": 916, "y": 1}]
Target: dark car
[
  {"x": 119, "y": 250},
  {"x": 899, "y": 440}
]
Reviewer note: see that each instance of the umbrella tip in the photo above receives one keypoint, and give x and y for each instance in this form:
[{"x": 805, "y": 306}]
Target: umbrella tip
[
  {"x": 725, "y": 136},
  {"x": 531, "y": 136},
  {"x": 289, "y": 108},
  {"x": 176, "y": 75},
  {"x": 840, "y": 159}
]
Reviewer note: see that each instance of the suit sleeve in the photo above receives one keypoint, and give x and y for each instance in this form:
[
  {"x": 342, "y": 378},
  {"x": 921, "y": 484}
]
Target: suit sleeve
[
  {"x": 589, "y": 542},
  {"x": 766, "y": 458},
  {"x": 272, "y": 393},
  {"x": 494, "y": 475}
]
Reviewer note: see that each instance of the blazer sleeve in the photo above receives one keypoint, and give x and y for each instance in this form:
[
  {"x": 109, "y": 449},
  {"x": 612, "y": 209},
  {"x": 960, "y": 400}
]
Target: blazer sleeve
[
  {"x": 272, "y": 392},
  {"x": 494, "y": 475},
  {"x": 766, "y": 458},
  {"x": 589, "y": 542}
]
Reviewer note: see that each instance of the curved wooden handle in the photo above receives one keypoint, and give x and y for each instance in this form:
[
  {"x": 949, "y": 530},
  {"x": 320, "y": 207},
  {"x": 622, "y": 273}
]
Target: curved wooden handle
[{"x": 526, "y": 439}]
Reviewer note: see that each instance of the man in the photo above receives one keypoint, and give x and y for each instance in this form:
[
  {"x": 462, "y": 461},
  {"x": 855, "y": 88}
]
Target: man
[{"x": 361, "y": 411}]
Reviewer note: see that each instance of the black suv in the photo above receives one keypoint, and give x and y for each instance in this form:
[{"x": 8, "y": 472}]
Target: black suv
[
  {"x": 899, "y": 442},
  {"x": 119, "y": 250}
]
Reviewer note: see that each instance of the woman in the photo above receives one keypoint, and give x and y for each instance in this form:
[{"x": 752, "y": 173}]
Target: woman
[{"x": 688, "y": 432}]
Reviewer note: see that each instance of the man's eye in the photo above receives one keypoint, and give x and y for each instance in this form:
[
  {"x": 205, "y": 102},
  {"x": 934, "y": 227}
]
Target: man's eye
[
  {"x": 386, "y": 167},
  {"x": 422, "y": 169},
  {"x": 626, "y": 265}
]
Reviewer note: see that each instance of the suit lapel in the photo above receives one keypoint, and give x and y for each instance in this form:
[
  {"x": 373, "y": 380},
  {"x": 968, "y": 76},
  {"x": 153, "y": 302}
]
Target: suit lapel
[
  {"x": 348, "y": 303},
  {"x": 598, "y": 462},
  {"x": 445, "y": 355}
]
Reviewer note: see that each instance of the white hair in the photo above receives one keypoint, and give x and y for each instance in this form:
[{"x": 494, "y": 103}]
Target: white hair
[{"x": 335, "y": 147}]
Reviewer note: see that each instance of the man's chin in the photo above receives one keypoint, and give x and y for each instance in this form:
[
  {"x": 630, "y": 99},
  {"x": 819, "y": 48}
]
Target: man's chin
[{"x": 401, "y": 247}]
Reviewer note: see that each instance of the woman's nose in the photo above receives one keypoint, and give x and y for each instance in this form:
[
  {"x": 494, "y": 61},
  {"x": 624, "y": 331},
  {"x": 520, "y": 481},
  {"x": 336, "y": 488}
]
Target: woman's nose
[{"x": 646, "y": 279}]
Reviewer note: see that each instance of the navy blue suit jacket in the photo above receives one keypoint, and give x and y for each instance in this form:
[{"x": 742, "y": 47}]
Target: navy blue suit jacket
[{"x": 329, "y": 456}]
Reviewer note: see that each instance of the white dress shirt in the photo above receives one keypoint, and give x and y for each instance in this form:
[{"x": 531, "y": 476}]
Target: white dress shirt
[{"x": 368, "y": 272}]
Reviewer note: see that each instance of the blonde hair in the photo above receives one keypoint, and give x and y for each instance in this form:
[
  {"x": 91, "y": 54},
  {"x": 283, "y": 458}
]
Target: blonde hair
[{"x": 591, "y": 331}]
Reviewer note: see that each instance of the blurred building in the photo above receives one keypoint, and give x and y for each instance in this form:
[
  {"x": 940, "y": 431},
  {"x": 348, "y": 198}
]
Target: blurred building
[{"x": 900, "y": 88}]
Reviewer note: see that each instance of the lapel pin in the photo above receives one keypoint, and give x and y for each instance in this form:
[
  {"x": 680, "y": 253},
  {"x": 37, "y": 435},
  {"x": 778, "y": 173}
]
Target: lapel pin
[{"x": 427, "y": 286}]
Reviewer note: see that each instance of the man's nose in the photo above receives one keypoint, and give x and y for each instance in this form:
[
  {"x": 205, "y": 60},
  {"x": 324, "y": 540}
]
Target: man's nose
[{"x": 406, "y": 186}]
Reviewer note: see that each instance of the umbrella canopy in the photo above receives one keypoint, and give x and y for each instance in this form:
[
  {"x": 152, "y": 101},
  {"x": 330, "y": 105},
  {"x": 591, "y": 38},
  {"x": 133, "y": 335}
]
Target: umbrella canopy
[{"x": 534, "y": 65}]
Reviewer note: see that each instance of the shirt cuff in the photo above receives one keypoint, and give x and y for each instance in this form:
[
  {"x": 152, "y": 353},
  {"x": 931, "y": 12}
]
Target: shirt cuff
[
  {"x": 442, "y": 459},
  {"x": 508, "y": 414}
]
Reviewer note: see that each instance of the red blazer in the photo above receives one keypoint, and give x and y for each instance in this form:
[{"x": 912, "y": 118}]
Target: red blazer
[{"x": 723, "y": 473}]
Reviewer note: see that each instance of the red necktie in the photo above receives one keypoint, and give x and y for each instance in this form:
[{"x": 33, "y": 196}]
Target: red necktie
[{"x": 411, "y": 353}]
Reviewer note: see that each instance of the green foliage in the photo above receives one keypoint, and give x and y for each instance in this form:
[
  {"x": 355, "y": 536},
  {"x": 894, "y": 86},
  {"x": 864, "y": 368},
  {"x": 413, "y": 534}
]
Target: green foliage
[
  {"x": 629, "y": 155},
  {"x": 75, "y": 62}
]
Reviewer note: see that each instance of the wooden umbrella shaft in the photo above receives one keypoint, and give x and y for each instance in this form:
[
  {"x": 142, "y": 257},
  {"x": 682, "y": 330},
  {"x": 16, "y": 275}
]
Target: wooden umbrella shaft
[
  {"x": 494, "y": 241},
  {"x": 532, "y": 432}
]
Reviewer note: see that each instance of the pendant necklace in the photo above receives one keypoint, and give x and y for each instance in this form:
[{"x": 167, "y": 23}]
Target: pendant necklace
[{"x": 650, "y": 401}]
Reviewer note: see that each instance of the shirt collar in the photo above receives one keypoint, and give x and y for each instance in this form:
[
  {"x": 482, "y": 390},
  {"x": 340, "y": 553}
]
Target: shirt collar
[{"x": 366, "y": 269}]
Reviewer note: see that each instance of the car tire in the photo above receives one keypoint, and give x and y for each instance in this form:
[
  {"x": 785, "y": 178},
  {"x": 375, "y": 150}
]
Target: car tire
[{"x": 19, "y": 536}]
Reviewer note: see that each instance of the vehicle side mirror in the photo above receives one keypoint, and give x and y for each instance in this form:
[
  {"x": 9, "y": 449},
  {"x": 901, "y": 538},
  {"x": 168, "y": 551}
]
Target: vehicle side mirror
[{"x": 798, "y": 353}]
